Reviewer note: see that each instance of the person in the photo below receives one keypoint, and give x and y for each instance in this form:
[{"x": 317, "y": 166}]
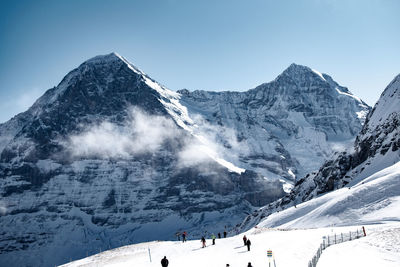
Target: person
[
  {"x": 203, "y": 241},
  {"x": 225, "y": 233},
  {"x": 164, "y": 262},
  {"x": 178, "y": 234},
  {"x": 249, "y": 265},
  {"x": 248, "y": 243},
  {"x": 213, "y": 238},
  {"x": 244, "y": 240},
  {"x": 184, "y": 236},
  {"x": 219, "y": 235}
]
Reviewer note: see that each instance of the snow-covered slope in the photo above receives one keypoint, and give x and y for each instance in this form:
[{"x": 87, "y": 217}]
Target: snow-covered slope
[
  {"x": 375, "y": 199},
  {"x": 290, "y": 248},
  {"x": 375, "y": 148},
  {"x": 294, "y": 234}
]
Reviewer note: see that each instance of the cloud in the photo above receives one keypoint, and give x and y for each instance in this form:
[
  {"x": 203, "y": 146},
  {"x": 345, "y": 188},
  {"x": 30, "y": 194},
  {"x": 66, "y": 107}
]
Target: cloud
[
  {"x": 140, "y": 133},
  {"x": 143, "y": 133}
]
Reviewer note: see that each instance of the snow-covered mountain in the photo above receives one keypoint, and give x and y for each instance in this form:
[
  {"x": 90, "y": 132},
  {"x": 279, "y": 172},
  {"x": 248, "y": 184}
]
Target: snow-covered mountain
[
  {"x": 110, "y": 157},
  {"x": 285, "y": 128},
  {"x": 368, "y": 188}
]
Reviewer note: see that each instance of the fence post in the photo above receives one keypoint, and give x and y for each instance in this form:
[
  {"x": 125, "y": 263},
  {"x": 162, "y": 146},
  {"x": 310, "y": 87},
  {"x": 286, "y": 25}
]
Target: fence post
[
  {"x": 335, "y": 238},
  {"x": 149, "y": 254},
  {"x": 365, "y": 234},
  {"x": 350, "y": 235},
  {"x": 342, "y": 237}
]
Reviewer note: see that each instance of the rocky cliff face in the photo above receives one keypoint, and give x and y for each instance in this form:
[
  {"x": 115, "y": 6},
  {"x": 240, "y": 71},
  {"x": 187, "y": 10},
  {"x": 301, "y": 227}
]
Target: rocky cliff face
[
  {"x": 110, "y": 157},
  {"x": 375, "y": 148}
]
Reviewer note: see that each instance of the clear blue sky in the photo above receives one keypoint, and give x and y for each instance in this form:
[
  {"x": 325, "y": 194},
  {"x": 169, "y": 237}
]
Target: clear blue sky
[{"x": 207, "y": 44}]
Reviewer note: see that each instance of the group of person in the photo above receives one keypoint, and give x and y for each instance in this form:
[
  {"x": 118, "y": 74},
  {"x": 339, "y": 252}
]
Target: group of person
[
  {"x": 165, "y": 262},
  {"x": 184, "y": 235},
  {"x": 248, "y": 265},
  {"x": 203, "y": 240},
  {"x": 246, "y": 242}
]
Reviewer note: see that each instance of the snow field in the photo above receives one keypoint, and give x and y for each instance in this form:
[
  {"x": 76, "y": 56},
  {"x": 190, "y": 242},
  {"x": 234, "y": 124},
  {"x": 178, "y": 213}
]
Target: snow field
[
  {"x": 290, "y": 248},
  {"x": 379, "y": 248}
]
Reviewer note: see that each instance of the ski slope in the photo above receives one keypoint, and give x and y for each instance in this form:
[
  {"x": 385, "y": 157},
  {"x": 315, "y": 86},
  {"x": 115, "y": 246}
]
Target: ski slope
[
  {"x": 374, "y": 199},
  {"x": 290, "y": 248},
  {"x": 294, "y": 234}
]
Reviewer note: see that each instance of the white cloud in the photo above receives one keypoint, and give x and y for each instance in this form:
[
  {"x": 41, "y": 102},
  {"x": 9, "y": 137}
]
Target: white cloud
[
  {"x": 144, "y": 133},
  {"x": 141, "y": 133}
]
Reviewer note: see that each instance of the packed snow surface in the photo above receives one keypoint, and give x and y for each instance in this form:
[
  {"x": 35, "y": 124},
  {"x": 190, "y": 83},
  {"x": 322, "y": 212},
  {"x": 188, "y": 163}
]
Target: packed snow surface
[
  {"x": 373, "y": 202},
  {"x": 373, "y": 199},
  {"x": 290, "y": 248}
]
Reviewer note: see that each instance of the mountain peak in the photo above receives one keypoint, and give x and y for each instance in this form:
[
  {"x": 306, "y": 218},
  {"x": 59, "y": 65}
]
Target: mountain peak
[
  {"x": 112, "y": 57},
  {"x": 297, "y": 71}
]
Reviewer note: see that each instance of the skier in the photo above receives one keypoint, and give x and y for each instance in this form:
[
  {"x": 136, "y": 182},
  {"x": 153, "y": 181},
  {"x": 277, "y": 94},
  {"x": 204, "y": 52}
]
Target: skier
[
  {"x": 244, "y": 240},
  {"x": 219, "y": 235},
  {"x": 213, "y": 238},
  {"x": 164, "y": 262},
  {"x": 248, "y": 243},
  {"x": 184, "y": 236},
  {"x": 249, "y": 265},
  {"x": 203, "y": 241},
  {"x": 225, "y": 233}
]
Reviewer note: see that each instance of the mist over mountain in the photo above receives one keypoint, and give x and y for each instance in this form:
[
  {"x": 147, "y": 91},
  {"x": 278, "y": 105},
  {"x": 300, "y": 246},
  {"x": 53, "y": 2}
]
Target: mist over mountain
[{"x": 110, "y": 157}]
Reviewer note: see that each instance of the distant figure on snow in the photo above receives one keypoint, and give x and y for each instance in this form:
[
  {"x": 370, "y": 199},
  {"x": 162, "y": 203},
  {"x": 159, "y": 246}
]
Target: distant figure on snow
[
  {"x": 178, "y": 234},
  {"x": 164, "y": 262},
  {"x": 184, "y": 236},
  {"x": 213, "y": 238},
  {"x": 219, "y": 235},
  {"x": 244, "y": 240},
  {"x": 248, "y": 243},
  {"x": 203, "y": 241},
  {"x": 225, "y": 233},
  {"x": 249, "y": 265}
]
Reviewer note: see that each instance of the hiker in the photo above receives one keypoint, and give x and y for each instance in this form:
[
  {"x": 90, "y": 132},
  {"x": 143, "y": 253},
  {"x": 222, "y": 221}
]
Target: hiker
[
  {"x": 249, "y": 265},
  {"x": 164, "y": 262},
  {"x": 203, "y": 241},
  {"x": 178, "y": 234},
  {"x": 248, "y": 243},
  {"x": 213, "y": 238},
  {"x": 219, "y": 235},
  {"x": 184, "y": 236},
  {"x": 225, "y": 233},
  {"x": 244, "y": 240}
]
